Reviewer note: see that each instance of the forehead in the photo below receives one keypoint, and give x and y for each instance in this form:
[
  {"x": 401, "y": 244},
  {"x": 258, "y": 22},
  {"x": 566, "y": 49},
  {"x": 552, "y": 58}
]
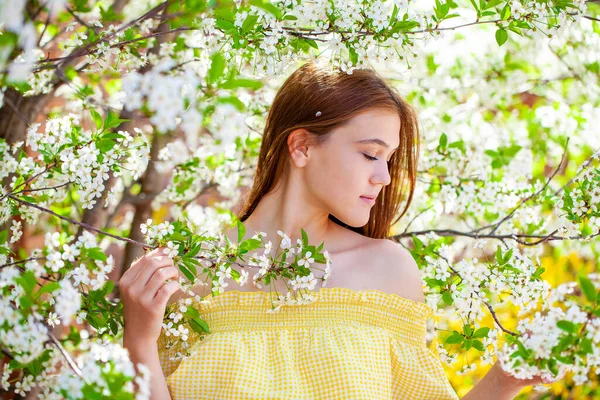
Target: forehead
[{"x": 372, "y": 124}]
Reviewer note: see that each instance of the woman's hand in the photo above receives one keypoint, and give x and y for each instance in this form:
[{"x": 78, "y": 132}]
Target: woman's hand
[
  {"x": 498, "y": 384},
  {"x": 513, "y": 381},
  {"x": 145, "y": 295}
]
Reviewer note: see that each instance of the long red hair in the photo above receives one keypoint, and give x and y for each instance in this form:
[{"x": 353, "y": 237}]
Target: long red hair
[{"x": 339, "y": 96}]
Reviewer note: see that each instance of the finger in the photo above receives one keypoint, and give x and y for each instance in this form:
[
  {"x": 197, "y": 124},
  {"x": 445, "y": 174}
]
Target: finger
[
  {"x": 158, "y": 279},
  {"x": 155, "y": 253},
  {"x": 147, "y": 272},
  {"x": 164, "y": 293},
  {"x": 131, "y": 274}
]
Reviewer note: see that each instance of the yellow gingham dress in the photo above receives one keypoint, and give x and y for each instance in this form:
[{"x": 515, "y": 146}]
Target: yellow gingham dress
[{"x": 347, "y": 344}]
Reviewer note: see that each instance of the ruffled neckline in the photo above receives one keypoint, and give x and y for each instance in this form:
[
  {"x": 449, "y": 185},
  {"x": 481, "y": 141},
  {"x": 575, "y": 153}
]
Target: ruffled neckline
[{"x": 324, "y": 295}]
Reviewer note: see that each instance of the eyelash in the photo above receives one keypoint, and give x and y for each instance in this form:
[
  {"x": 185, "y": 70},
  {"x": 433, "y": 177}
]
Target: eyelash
[{"x": 372, "y": 158}]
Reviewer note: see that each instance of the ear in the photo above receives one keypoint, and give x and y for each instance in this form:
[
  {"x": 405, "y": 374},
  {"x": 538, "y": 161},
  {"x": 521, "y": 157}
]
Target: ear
[{"x": 298, "y": 144}]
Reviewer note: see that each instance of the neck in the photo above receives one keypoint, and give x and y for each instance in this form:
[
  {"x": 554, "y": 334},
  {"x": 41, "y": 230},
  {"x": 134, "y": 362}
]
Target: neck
[{"x": 289, "y": 210}]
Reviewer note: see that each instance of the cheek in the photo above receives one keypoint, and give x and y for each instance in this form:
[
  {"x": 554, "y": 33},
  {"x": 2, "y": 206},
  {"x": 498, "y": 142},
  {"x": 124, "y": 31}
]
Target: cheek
[
  {"x": 338, "y": 179},
  {"x": 337, "y": 171}
]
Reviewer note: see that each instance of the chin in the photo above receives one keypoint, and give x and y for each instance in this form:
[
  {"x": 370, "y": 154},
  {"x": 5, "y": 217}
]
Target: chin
[{"x": 354, "y": 221}]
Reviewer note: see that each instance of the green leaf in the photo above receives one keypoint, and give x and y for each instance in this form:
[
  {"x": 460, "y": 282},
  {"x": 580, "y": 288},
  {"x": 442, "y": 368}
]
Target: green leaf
[
  {"x": 114, "y": 328},
  {"x": 507, "y": 256},
  {"x": 267, "y": 6},
  {"x": 492, "y": 3},
  {"x": 196, "y": 6},
  {"x": 455, "y": 338},
  {"x": 499, "y": 255},
  {"x": 587, "y": 287},
  {"x": 352, "y": 53},
  {"x": 191, "y": 312},
  {"x": 394, "y": 13},
  {"x": 29, "y": 199},
  {"x": 505, "y": 12},
  {"x": 225, "y": 25},
  {"x": 105, "y": 145},
  {"x": 47, "y": 288},
  {"x": 417, "y": 242},
  {"x": 481, "y": 332},
  {"x": 97, "y": 118},
  {"x": 112, "y": 135},
  {"x": 96, "y": 254},
  {"x": 242, "y": 83},
  {"x": 468, "y": 330},
  {"x": 112, "y": 120},
  {"x": 443, "y": 141},
  {"x": 304, "y": 238},
  {"x": 447, "y": 297},
  {"x": 199, "y": 325},
  {"x": 70, "y": 73},
  {"x": 184, "y": 268},
  {"x": 478, "y": 345},
  {"x": 475, "y": 5},
  {"x": 195, "y": 250},
  {"x": 3, "y": 236},
  {"x": 217, "y": 67},
  {"x": 511, "y": 151},
  {"x": 586, "y": 346},
  {"x": 249, "y": 23},
  {"x": 234, "y": 101},
  {"x": 249, "y": 245},
  {"x": 25, "y": 302},
  {"x": 553, "y": 366},
  {"x": 501, "y": 36},
  {"x": 567, "y": 326},
  {"x": 27, "y": 281},
  {"x": 241, "y": 230},
  {"x": 108, "y": 287},
  {"x": 404, "y": 26}
]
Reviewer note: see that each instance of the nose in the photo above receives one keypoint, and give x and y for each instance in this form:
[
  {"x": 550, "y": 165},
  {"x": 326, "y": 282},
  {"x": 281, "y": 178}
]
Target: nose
[{"x": 381, "y": 175}]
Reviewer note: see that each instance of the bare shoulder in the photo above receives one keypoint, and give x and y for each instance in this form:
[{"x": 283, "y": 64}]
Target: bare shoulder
[{"x": 396, "y": 269}]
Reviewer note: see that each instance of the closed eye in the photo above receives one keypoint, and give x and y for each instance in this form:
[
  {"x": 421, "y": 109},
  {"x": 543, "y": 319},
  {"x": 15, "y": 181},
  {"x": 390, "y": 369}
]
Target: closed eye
[{"x": 373, "y": 158}]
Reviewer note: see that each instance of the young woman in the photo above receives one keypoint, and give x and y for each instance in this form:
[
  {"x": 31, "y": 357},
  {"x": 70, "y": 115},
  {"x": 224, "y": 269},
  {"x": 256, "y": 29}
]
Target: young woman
[{"x": 338, "y": 158}]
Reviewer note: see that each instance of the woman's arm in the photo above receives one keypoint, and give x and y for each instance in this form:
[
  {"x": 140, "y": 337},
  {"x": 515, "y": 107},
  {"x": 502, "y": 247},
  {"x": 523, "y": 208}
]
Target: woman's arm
[
  {"x": 147, "y": 354},
  {"x": 499, "y": 385}
]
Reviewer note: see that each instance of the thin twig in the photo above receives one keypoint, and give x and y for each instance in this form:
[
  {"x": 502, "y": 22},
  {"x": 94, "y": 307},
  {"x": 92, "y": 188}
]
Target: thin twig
[
  {"x": 56, "y": 342},
  {"x": 12, "y": 105},
  {"x": 66, "y": 355},
  {"x": 515, "y": 236},
  {"x": 43, "y": 188},
  {"x": 82, "y": 224},
  {"x": 415, "y": 217},
  {"x": 496, "y": 225},
  {"x": 497, "y": 321},
  {"x": 45, "y": 27},
  {"x": 124, "y": 239},
  {"x": 22, "y": 261},
  {"x": 77, "y": 18},
  {"x": 583, "y": 168}
]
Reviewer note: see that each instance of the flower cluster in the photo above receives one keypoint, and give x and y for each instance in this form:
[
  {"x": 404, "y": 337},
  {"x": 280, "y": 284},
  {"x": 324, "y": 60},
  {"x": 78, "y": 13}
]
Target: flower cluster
[
  {"x": 501, "y": 135},
  {"x": 563, "y": 336}
]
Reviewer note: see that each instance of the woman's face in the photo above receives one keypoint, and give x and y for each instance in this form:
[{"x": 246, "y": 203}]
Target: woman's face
[{"x": 353, "y": 164}]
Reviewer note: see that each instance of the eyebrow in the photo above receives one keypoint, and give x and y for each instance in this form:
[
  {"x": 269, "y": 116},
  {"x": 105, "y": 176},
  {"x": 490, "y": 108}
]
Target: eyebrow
[{"x": 375, "y": 141}]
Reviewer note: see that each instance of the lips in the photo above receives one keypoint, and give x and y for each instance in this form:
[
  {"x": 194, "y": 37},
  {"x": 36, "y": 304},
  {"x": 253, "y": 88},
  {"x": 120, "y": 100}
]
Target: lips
[
  {"x": 369, "y": 197},
  {"x": 368, "y": 200}
]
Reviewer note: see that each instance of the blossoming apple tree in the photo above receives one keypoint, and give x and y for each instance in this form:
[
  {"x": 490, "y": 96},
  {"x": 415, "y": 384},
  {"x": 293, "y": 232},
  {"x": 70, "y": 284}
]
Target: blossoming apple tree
[{"x": 118, "y": 118}]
